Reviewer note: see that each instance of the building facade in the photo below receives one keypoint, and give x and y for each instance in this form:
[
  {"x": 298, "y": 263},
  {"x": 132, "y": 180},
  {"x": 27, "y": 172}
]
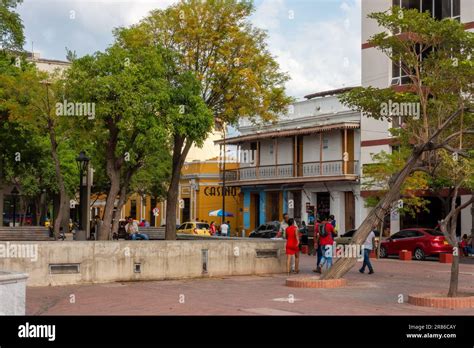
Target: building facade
[
  {"x": 379, "y": 71},
  {"x": 306, "y": 164}
]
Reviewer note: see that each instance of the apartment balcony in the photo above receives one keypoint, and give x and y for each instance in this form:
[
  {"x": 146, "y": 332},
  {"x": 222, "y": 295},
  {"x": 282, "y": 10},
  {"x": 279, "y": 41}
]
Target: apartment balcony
[{"x": 294, "y": 173}]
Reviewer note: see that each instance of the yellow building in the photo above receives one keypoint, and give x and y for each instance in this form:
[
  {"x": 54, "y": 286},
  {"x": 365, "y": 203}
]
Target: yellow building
[{"x": 200, "y": 192}]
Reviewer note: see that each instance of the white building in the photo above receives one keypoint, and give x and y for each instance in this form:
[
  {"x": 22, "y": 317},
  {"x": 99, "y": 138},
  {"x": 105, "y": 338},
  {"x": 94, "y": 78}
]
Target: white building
[
  {"x": 306, "y": 163},
  {"x": 378, "y": 71}
]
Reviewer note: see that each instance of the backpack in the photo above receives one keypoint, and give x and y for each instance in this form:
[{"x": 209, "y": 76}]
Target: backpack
[{"x": 322, "y": 230}]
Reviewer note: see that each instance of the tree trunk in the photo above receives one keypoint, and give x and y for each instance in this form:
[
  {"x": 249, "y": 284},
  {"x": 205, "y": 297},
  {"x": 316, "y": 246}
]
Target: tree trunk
[
  {"x": 106, "y": 227},
  {"x": 376, "y": 215},
  {"x": 113, "y": 166},
  {"x": 454, "y": 280},
  {"x": 2, "y": 197},
  {"x": 179, "y": 156},
  {"x": 59, "y": 178},
  {"x": 121, "y": 202}
]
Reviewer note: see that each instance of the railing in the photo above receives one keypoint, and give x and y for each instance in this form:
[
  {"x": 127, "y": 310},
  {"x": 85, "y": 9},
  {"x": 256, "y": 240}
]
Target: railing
[{"x": 284, "y": 171}]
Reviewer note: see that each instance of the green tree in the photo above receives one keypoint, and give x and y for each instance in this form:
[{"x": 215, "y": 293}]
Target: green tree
[
  {"x": 11, "y": 27},
  {"x": 137, "y": 93},
  {"x": 238, "y": 76},
  {"x": 436, "y": 56},
  {"x": 30, "y": 99}
]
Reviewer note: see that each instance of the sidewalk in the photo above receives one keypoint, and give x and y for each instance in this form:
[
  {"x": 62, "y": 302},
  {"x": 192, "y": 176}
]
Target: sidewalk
[{"x": 376, "y": 294}]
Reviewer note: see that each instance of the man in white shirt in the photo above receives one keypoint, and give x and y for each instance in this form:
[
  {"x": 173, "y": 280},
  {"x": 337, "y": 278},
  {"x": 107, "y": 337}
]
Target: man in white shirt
[
  {"x": 368, "y": 246},
  {"x": 224, "y": 229},
  {"x": 132, "y": 229}
]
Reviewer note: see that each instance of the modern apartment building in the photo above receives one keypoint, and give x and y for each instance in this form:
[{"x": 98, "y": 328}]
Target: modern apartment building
[{"x": 378, "y": 71}]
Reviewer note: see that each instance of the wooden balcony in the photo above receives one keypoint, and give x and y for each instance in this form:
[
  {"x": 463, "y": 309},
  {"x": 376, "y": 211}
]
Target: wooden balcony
[{"x": 294, "y": 173}]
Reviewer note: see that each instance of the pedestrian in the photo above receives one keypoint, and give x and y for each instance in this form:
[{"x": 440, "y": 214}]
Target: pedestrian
[
  {"x": 230, "y": 229},
  {"x": 292, "y": 246},
  {"x": 326, "y": 241},
  {"x": 212, "y": 229},
  {"x": 303, "y": 234},
  {"x": 317, "y": 245},
  {"x": 283, "y": 226},
  {"x": 132, "y": 229},
  {"x": 334, "y": 224},
  {"x": 224, "y": 229},
  {"x": 368, "y": 246},
  {"x": 465, "y": 247}
]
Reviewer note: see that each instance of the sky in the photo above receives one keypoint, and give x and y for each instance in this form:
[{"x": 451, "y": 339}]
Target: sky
[{"x": 317, "y": 42}]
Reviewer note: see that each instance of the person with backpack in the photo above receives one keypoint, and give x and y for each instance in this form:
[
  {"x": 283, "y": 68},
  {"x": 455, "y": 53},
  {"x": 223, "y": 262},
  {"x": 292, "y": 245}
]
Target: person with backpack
[{"x": 326, "y": 241}]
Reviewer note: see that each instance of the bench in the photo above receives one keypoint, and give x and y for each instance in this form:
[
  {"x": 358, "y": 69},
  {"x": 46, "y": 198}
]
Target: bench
[
  {"x": 154, "y": 233},
  {"x": 25, "y": 233}
]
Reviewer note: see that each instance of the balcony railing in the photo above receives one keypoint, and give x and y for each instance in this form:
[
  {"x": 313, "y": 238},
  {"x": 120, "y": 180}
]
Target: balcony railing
[{"x": 300, "y": 170}]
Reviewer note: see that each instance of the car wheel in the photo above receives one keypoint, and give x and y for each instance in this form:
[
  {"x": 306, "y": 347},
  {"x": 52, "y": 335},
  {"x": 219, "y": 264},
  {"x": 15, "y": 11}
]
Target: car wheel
[
  {"x": 419, "y": 254},
  {"x": 383, "y": 252}
]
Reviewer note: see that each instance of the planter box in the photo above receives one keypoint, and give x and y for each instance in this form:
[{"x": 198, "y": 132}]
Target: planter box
[
  {"x": 445, "y": 258},
  {"x": 405, "y": 255}
]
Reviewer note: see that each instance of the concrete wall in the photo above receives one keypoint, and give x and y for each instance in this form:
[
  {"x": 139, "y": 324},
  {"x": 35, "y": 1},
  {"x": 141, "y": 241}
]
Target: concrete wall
[
  {"x": 110, "y": 261},
  {"x": 12, "y": 293}
]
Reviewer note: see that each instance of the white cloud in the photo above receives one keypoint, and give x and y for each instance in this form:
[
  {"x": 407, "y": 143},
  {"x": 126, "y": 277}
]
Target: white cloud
[{"x": 318, "y": 55}]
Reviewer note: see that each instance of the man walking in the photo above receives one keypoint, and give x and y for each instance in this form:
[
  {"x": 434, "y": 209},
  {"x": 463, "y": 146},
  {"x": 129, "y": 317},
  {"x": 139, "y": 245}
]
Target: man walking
[
  {"x": 326, "y": 241},
  {"x": 368, "y": 246}
]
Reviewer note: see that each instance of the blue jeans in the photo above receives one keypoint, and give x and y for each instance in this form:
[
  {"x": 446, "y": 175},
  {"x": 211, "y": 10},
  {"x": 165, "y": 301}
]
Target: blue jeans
[
  {"x": 138, "y": 236},
  {"x": 367, "y": 260},
  {"x": 319, "y": 255},
  {"x": 326, "y": 256}
]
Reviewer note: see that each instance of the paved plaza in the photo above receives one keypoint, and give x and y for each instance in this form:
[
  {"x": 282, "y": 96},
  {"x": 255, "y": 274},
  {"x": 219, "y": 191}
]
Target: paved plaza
[{"x": 376, "y": 294}]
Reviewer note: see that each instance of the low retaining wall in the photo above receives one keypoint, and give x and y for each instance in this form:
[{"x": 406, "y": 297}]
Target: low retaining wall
[
  {"x": 78, "y": 262},
  {"x": 12, "y": 293}
]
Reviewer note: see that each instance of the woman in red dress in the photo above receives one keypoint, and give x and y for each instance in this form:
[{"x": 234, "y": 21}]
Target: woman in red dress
[{"x": 292, "y": 245}]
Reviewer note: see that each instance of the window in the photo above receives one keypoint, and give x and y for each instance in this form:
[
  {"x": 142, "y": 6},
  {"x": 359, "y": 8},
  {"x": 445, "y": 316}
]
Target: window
[
  {"x": 133, "y": 208},
  {"x": 399, "y": 235},
  {"x": 182, "y": 227},
  {"x": 447, "y": 9},
  {"x": 435, "y": 233},
  {"x": 439, "y": 9}
]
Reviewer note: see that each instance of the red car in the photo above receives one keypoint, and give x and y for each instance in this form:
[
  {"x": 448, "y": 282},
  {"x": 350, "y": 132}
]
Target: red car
[{"x": 421, "y": 242}]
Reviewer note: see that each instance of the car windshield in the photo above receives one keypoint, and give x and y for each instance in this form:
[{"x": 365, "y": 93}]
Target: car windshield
[
  {"x": 435, "y": 233},
  {"x": 202, "y": 226}
]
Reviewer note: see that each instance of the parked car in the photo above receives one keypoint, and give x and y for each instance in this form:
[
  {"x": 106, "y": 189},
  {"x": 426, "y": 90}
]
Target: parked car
[
  {"x": 266, "y": 230},
  {"x": 422, "y": 242},
  {"x": 200, "y": 228},
  {"x": 346, "y": 238}
]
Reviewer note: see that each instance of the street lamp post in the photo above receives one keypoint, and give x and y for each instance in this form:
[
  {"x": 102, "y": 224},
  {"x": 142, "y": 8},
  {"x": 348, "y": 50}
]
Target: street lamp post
[
  {"x": 223, "y": 178},
  {"x": 15, "y": 194},
  {"x": 82, "y": 164}
]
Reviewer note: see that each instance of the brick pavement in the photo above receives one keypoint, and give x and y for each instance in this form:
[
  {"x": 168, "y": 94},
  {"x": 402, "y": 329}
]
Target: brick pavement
[{"x": 375, "y": 294}]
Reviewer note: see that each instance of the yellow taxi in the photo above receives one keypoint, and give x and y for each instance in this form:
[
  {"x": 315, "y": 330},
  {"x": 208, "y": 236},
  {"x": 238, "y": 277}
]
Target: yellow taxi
[{"x": 199, "y": 228}]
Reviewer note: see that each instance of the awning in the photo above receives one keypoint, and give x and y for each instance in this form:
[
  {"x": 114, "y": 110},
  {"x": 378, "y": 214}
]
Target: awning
[{"x": 289, "y": 132}]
